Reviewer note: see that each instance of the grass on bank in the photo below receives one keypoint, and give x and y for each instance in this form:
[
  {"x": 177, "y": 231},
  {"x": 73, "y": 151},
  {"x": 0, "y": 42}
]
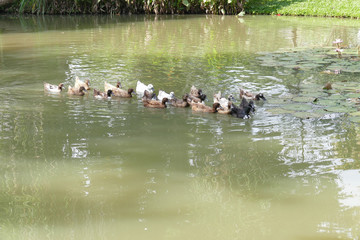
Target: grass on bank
[{"x": 324, "y": 8}]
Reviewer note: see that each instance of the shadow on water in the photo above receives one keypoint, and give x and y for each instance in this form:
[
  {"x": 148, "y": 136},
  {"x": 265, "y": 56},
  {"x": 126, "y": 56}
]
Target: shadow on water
[{"x": 34, "y": 23}]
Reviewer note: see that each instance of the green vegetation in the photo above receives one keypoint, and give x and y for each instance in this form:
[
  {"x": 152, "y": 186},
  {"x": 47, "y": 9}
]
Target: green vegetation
[
  {"x": 123, "y": 6},
  {"x": 325, "y": 8},
  {"x": 330, "y": 8}
]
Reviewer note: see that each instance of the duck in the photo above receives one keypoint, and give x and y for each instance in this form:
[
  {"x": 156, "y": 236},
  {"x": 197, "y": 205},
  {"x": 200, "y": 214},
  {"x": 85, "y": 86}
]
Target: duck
[
  {"x": 162, "y": 94},
  {"x": 53, "y": 88},
  {"x": 103, "y": 95},
  {"x": 225, "y": 103},
  {"x": 251, "y": 96},
  {"x": 149, "y": 96},
  {"x": 155, "y": 103},
  {"x": 79, "y": 83},
  {"x": 195, "y": 92},
  {"x": 242, "y": 111},
  {"x": 199, "y": 107},
  {"x": 77, "y": 91},
  {"x": 196, "y": 96},
  {"x": 118, "y": 92},
  {"x": 225, "y": 109},
  {"x": 108, "y": 86},
  {"x": 180, "y": 102},
  {"x": 141, "y": 87}
]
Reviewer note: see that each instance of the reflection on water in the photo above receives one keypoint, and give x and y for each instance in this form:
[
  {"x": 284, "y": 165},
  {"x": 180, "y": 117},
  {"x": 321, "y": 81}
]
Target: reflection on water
[{"x": 80, "y": 168}]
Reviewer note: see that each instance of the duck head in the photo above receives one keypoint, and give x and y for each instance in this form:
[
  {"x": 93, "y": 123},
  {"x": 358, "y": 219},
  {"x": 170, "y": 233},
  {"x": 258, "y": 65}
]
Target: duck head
[
  {"x": 82, "y": 89},
  {"x": 231, "y": 97},
  {"x": 185, "y": 97},
  {"x": 150, "y": 87},
  {"x": 131, "y": 90},
  {"x": 260, "y": 96},
  {"x": 202, "y": 97},
  {"x": 61, "y": 86},
  {"x": 216, "y": 106},
  {"x": 109, "y": 93},
  {"x": 164, "y": 100},
  {"x": 118, "y": 84}
]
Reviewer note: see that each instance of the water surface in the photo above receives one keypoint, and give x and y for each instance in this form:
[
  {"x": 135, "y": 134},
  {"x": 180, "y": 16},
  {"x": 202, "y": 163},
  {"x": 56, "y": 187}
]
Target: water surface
[{"x": 80, "y": 168}]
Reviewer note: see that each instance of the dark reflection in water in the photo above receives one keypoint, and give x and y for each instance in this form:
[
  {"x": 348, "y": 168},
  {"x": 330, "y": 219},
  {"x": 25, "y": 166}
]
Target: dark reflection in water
[{"x": 76, "y": 167}]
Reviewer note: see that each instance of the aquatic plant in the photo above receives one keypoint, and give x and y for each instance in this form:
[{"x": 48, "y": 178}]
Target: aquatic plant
[
  {"x": 128, "y": 6},
  {"x": 338, "y": 49},
  {"x": 314, "y": 100}
]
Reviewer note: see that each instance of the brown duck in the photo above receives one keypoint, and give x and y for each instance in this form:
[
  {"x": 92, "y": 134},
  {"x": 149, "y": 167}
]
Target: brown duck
[
  {"x": 200, "y": 107},
  {"x": 155, "y": 103}
]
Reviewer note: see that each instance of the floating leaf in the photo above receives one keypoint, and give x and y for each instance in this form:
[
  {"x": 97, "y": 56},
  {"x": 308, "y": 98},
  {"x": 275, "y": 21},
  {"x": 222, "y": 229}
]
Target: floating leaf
[
  {"x": 311, "y": 87},
  {"x": 304, "y": 99},
  {"x": 347, "y": 86},
  {"x": 327, "y": 102},
  {"x": 306, "y": 115},
  {"x": 336, "y": 97},
  {"x": 354, "y": 119},
  {"x": 297, "y": 107},
  {"x": 340, "y": 109},
  {"x": 279, "y": 111},
  {"x": 352, "y": 95},
  {"x": 276, "y": 101},
  {"x": 355, "y": 114}
]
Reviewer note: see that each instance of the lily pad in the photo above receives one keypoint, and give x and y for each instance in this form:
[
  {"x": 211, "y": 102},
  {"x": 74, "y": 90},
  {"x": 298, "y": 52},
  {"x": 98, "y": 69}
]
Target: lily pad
[
  {"x": 304, "y": 99},
  {"x": 315, "y": 94},
  {"x": 279, "y": 111},
  {"x": 352, "y": 95},
  {"x": 340, "y": 109},
  {"x": 297, "y": 107},
  {"x": 310, "y": 87},
  {"x": 306, "y": 115},
  {"x": 355, "y": 119},
  {"x": 327, "y": 102},
  {"x": 277, "y": 101},
  {"x": 347, "y": 86},
  {"x": 336, "y": 97},
  {"x": 355, "y": 114},
  {"x": 309, "y": 59}
]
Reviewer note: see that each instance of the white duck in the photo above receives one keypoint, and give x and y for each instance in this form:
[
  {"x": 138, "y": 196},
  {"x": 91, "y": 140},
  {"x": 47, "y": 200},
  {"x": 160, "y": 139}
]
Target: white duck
[
  {"x": 225, "y": 103},
  {"x": 108, "y": 86},
  {"x": 162, "y": 94},
  {"x": 53, "y": 88},
  {"x": 140, "y": 88}
]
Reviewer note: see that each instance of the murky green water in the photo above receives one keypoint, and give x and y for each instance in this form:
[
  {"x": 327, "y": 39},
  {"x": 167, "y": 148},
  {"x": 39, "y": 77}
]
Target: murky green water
[{"x": 80, "y": 168}]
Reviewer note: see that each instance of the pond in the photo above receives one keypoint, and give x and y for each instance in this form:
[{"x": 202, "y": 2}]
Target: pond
[{"x": 83, "y": 168}]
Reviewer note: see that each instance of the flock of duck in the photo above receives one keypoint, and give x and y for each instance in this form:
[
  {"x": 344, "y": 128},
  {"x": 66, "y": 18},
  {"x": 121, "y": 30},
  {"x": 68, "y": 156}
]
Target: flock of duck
[{"x": 194, "y": 99}]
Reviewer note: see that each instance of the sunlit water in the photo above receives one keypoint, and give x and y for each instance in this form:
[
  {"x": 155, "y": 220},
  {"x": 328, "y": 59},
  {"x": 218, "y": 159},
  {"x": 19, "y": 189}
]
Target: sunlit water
[{"x": 80, "y": 168}]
